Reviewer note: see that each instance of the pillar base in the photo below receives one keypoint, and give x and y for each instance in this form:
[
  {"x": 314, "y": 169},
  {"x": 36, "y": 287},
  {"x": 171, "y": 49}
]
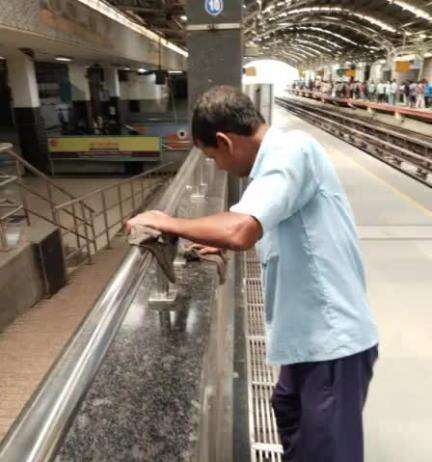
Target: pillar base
[
  {"x": 115, "y": 114},
  {"x": 32, "y": 137},
  {"x": 82, "y": 116}
]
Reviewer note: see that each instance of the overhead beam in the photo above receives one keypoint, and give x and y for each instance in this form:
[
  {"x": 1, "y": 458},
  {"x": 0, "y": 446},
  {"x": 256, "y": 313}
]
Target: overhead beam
[{"x": 174, "y": 10}]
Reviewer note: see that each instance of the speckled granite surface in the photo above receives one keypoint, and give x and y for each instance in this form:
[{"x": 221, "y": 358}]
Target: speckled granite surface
[{"x": 145, "y": 402}]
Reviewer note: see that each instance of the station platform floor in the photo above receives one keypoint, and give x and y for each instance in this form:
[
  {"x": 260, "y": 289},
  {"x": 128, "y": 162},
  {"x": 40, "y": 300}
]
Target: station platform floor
[
  {"x": 405, "y": 123},
  {"x": 423, "y": 114},
  {"x": 394, "y": 217}
]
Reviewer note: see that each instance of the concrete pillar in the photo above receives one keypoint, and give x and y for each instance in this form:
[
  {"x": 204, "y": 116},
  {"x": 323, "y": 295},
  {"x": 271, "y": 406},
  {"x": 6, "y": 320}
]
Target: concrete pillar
[
  {"x": 143, "y": 94},
  {"x": 82, "y": 117},
  {"x": 116, "y": 111},
  {"x": 215, "y": 46},
  {"x": 427, "y": 69},
  {"x": 361, "y": 72},
  {"x": 215, "y": 53},
  {"x": 334, "y": 73},
  {"x": 27, "y": 111}
]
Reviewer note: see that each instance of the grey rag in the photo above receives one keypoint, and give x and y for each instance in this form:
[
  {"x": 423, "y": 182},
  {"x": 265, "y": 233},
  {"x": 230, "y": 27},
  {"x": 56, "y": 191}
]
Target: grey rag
[
  {"x": 161, "y": 246},
  {"x": 219, "y": 259}
]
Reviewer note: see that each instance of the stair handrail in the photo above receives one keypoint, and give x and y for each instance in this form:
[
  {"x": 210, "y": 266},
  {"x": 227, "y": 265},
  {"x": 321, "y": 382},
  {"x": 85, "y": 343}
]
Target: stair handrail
[{"x": 19, "y": 160}]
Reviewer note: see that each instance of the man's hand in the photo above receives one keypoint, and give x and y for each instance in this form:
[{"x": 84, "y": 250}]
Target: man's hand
[
  {"x": 153, "y": 219},
  {"x": 225, "y": 230},
  {"x": 204, "y": 249}
]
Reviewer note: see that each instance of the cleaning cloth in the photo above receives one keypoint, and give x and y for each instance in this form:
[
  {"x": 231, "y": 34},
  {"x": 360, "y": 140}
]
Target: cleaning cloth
[
  {"x": 163, "y": 247},
  {"x": 219, "y": 259}
]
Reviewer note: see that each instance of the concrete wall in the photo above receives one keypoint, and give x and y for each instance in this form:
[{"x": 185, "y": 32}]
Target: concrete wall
[
  {"x": 142, "y": 87},
  {"x": 376, "y": 72},
  {"x": 21, "y": 284},
  {"x": 427, "y": 69}
]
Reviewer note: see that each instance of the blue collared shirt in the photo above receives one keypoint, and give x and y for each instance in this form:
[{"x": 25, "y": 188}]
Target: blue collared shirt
[{"x": 316, "y": 307}]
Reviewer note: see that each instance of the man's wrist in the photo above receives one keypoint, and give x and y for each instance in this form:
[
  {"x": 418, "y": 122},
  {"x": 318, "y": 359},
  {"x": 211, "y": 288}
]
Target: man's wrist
[{"x": 170, "y": 225}]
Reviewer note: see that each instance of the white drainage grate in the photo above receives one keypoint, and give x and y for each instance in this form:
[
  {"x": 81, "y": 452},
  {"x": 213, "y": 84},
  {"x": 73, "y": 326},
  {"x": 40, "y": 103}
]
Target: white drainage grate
[{"x": 264, "y": 439}]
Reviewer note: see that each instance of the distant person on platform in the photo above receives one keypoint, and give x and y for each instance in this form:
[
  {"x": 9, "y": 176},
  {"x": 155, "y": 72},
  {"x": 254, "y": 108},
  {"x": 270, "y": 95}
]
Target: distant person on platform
[
  {"x": 371, "y": 91},
  {"x": 393, "y": 91},
  {"x": 413, "y": 94},
  {"x": 381, "y": 92},
  {"x": 319, "y": 327},
  {"x": 420, "y": 98},
  {"x": 428, "y": 94}
]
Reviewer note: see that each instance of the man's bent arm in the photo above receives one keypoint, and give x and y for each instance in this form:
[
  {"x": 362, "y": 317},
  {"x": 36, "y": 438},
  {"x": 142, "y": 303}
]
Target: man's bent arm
[{"x": 227, "y": 230}]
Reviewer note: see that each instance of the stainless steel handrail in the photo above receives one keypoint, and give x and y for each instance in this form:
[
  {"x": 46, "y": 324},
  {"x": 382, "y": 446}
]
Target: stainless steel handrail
[{"x": 38, "y": 430}]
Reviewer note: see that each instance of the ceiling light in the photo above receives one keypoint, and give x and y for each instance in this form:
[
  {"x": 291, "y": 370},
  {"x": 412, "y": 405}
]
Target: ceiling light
[
  {"x": 183, "y": 18},
  {"x": 63, "y": 59},
  {"x": 175, "y": 72},
  {"x": 141, "y": 70}
]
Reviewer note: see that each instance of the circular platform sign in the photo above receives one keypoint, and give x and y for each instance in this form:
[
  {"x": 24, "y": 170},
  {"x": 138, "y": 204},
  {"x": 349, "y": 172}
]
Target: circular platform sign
[{"x": 214, "y": 7}]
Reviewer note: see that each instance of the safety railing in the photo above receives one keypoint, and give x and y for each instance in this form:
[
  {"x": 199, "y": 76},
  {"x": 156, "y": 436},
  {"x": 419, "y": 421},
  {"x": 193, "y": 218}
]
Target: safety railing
[
  {"x": 49, "y": 193},
  {"x": 10, "y": 207},
  {"x": 84, "y": 231},
  {"x": 39, "y": 429},
  {"x": 87, "y": 223}
]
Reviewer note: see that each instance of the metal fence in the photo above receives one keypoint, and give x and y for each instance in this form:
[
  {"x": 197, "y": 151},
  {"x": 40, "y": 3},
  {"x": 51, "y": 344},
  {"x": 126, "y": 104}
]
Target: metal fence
[
  {"x": 85, "y": 231},
  {"x": 87, "y": 223},
  {"x": 10, "y": 208},
  {"x": 19, "y": 203}
]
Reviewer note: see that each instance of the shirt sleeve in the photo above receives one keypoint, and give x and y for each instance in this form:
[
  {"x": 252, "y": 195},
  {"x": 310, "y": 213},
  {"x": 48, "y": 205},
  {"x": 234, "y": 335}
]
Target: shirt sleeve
[{"x": 282, "y": 189}]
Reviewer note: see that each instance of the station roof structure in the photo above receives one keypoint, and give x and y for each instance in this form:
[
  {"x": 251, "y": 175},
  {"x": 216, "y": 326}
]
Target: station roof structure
[
  {"x": 307, "y": 32},
  {"x": 165, "y": 17}
]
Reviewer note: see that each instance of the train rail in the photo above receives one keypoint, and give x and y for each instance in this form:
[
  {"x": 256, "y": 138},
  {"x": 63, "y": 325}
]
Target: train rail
[{"x": 404, "y": 150}]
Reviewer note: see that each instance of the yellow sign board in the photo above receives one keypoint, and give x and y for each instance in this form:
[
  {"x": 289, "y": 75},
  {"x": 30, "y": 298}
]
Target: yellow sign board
[
  {"x": 105, "y": 147},
  {"x": 251, "y": 71},
  {"x": 403, "y": 66}
]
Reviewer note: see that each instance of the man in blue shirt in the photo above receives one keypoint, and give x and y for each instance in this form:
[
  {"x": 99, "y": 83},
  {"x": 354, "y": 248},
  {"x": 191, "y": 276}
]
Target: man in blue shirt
[{"x": 318, "y": 324}]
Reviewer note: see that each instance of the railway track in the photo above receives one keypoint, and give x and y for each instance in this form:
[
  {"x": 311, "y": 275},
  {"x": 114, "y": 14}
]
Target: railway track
[{"x": 404, "y": 150}]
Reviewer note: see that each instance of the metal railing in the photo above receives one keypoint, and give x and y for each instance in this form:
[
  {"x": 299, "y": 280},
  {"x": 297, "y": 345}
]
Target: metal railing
[
  {"x": 84, "y": 231},
  {"x": 40, "y": 427},
  {"x": 84, "y": 228},
  {"x": 10, "y": 208},
  {"x": 46, "y": 194}
]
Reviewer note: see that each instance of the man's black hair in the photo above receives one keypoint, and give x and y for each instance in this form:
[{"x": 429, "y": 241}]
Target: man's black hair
[{"x": 223, "y": 109}]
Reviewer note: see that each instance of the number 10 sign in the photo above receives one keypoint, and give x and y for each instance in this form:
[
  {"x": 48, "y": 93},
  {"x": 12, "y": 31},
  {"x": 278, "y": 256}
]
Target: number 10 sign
[{"x": 214, "y": 7}]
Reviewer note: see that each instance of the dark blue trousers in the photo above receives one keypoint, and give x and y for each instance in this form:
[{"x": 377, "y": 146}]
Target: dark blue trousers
[{"x": 318, "y": 408}]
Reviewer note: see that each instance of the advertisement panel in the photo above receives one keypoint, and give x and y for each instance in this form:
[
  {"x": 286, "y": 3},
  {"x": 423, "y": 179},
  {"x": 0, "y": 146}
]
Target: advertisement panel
[{"x": 113, "y": 148}]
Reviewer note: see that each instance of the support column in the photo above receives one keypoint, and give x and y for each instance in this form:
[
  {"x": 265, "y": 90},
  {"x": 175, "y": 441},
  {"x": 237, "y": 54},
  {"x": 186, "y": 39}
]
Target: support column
[
  {"x": 82, "y": 118},
  {"x": 215, "y": 45},
  {"x": 115, "y": 110},
  {"x": 27, "y": 112},
  {"x": 361, "y": 72},
  {"x": 215, "y": 55}
]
